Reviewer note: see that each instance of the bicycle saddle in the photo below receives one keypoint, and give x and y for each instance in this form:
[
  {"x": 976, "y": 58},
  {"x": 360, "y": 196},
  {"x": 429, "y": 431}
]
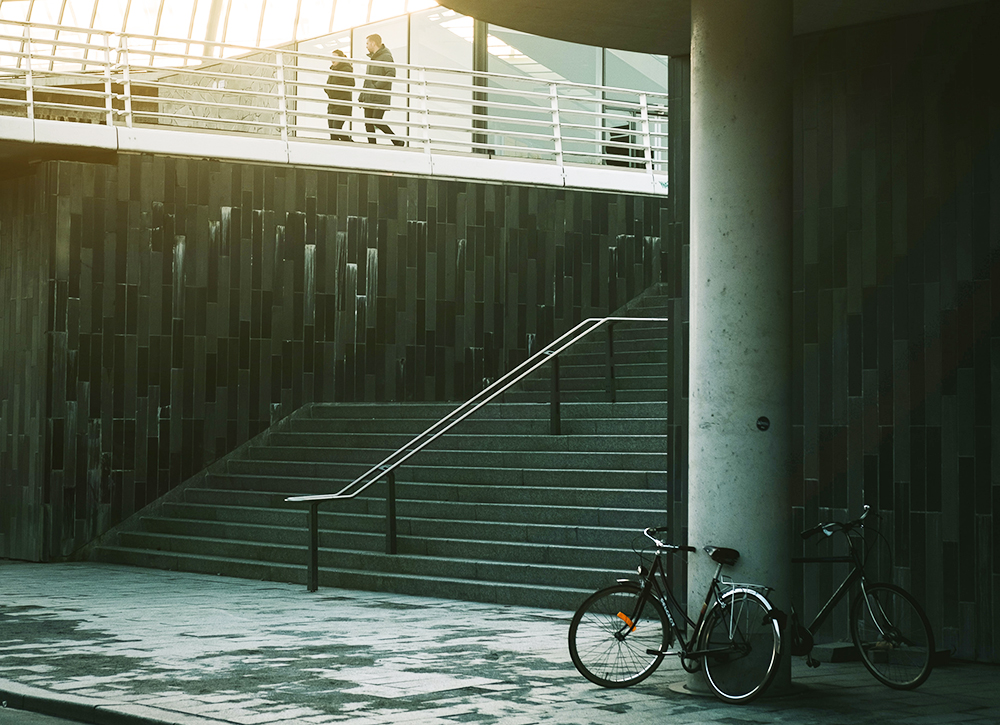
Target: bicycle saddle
[{"x": 722, "y": 555}]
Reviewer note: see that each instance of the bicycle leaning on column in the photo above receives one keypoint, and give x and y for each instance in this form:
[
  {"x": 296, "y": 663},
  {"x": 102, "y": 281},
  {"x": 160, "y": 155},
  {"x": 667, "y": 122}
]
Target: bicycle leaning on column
[
  {"x": 620, "y": 635},
  {"x": 890, "y": 630}
]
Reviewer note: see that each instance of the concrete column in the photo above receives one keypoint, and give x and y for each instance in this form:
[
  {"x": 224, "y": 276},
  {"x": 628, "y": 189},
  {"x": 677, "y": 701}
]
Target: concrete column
[{"x": 741, "y": 304}]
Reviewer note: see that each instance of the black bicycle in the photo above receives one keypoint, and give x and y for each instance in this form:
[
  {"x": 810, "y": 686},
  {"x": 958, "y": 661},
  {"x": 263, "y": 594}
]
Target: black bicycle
[
  {"x": 620, "y": 635},
  {"x": 889, "y": 628}
]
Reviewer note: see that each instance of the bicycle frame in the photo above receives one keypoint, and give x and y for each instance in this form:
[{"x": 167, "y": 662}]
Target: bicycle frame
[
  {"x": 650, "y": 587},
  {"x": 856, "y": 574}
]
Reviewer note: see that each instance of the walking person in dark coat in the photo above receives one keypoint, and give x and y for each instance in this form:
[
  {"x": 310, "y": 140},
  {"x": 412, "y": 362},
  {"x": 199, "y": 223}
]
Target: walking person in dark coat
[
  {"x": 339, "y": 88},
  {"x": 375, "y": 95}
]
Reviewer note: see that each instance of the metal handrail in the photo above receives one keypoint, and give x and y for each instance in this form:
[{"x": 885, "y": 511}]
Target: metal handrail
[
  {"x": 387, "y": 467},
  {"x": 563, "y": 122}
]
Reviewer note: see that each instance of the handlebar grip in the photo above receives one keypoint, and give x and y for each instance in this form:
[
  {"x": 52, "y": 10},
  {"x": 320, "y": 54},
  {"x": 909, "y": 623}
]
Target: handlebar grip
[
  {"x": 813, "y": 531},
  {"x": 689, "y": 548}
]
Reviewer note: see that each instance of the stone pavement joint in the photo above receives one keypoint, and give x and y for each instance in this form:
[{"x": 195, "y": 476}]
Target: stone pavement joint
[{"x": 113, "y": 645}]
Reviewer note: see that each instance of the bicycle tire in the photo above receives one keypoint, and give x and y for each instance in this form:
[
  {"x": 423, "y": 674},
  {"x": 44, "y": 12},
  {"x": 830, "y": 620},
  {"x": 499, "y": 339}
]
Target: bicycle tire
[
  {"x": 743, "y": 642},
  {"x": 892, "y": 635},
  {"x": 606, "y": 649}
]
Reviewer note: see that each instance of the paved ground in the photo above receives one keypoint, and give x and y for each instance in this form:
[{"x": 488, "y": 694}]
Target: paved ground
[{"x": 114, "y": 645}]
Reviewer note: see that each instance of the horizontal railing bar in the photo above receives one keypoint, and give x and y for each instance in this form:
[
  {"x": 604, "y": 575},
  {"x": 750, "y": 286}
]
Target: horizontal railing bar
[{"x": 188, "y": 85}]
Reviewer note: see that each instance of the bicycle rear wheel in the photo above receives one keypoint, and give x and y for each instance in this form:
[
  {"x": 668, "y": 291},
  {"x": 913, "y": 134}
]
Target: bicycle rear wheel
[
  {"x": 608, "y": 641},
  {"x": 742, "y": 643},
  {"x": 893, "y": 636}
]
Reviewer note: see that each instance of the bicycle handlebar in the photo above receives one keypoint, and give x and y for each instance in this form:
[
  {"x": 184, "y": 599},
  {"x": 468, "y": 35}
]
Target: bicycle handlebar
[
  {"x": 833, "y": 527},
  {"x": 651, "y": 533}
]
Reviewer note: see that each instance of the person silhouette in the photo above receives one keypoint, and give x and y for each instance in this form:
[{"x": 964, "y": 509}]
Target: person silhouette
[
  {"x": 375, "y": 94},
  {"x": 338, "y": 84}
]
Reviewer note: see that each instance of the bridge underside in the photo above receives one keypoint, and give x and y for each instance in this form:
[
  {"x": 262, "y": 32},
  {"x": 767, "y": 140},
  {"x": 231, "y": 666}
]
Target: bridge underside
[{"x": 28, "y": 140}]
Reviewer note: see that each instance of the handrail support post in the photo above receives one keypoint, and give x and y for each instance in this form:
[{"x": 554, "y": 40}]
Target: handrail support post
[
  {"x": 312, "y": 577},
  {"x": 390, "y": 513},
  {"x": 555, "y": 427},
  {"x": 611, "y": 384}
]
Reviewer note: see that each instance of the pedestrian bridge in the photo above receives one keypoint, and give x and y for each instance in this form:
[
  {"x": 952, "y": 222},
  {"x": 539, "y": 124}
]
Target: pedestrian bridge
[{"x": 67, "y": 90}]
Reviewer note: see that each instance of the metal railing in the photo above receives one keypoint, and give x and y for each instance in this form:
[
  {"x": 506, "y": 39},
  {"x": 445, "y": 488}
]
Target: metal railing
[
  {"x": 129, "y": 81},
  {"x": 386, "y": 469}
]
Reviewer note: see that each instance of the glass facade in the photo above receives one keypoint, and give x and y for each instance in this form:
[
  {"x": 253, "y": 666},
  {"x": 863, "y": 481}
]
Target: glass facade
[{"x": 513, "y": 115}]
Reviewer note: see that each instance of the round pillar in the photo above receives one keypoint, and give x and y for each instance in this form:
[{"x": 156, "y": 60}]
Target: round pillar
[{"x": 739, "y": 425}]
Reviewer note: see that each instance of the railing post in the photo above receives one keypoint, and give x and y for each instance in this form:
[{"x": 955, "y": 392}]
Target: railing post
[
  {"x": 647, "y": 145},
  {"x": 126, "y": 82},
  {"x": 29, "y": 89},
  {"x": 390, "y": 513},
  {"x": 282, "y": 100},
  {"x": 425, "y": 110},
  {"x": 555, "y": 427},
  {"x": 109, "y": 95},
  {"x": 556, "y": 128},
  {"x": 312, "y": 576},
  {"x": 612, "y": 388}
]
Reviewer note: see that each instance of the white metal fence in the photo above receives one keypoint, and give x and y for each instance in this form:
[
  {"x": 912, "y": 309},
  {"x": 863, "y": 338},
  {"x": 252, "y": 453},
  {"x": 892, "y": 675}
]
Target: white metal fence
[{"x": 134, "y": 81}]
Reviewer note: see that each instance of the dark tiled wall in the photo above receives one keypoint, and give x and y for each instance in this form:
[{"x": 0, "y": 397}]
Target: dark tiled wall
[
  {"x": 193, "y": 302},
  {"x": 897, "y": 295},
  {"x": 26, "y": 230}
]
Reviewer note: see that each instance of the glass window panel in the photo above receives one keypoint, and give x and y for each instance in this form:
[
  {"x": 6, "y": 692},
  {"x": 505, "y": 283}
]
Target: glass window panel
[
  {"x": 176, "y": 19},
  {"x": 442, "y": 38},
  {"x": 15, "y": 10},
  {"x": 141, "y": 18},
  {"x": 635, "y": 71},
  {"x": 244, "y": 20},
  {"x": 315, "y": 19},
  {"x": 518, "y": 53},
  {"x": 199, "y": 30},
  {"x": 542, "y": 60},
  {"x": 387, "y": 8},
  {"x": 110, "y": 14},
  {"x": 414, "y": 5},
  {"x": 279, "y": 15},
  {"x": 350, "y": 13},
  {"x": 45, "y": 12},
  {"x": 78, "y": 13}
]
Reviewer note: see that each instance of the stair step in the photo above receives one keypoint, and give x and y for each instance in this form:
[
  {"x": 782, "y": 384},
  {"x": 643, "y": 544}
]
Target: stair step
[
  {"x": 494, "y": 510},
  {"x": 533, "y": 595},
  {"x": 520, "y": 426},
  {"x": 463, "y": 442},
  {"x": 508, "y": 513},
  {"x": 425, "y": 565},
  {"x": 273, "y": 459},
  {"x": 536, "y": 553},
  {"x": 550, "y": 478},
  {"x": 457, "y": 493}
]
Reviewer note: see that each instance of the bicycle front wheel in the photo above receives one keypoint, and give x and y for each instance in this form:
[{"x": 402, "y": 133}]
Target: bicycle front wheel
[
  {"x": 741, "y": 642},
  {"x": 893, "y": 636},
  {"x": 609, "y": 639}
]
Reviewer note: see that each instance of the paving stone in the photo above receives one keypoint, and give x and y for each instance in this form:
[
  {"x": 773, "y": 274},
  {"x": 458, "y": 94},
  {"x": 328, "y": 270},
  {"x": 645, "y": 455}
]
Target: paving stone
[{"x": 153, "y": 646}]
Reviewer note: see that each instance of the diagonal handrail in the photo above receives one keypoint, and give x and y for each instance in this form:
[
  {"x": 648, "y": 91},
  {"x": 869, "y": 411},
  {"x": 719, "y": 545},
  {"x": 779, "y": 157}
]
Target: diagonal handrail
[
  {"x": 387, "y": 467},
  {"x": 489, "y": 393}
]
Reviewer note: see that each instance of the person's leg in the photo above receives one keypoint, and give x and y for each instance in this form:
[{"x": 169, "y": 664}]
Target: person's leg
[
  {"x": 384, "y": 128},
  {"x": 371, "y": 114},
  {"x": 338, "y": 125}
]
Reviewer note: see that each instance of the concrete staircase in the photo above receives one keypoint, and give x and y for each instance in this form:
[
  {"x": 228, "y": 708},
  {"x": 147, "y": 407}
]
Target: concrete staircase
[{"x": 497, "y": 510}]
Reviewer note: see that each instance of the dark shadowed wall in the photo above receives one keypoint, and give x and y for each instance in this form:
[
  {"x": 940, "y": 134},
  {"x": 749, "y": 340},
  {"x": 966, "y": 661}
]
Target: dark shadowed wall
[
  {"x": 159, "y": 312},
  {"x": 897, "y": 304}
]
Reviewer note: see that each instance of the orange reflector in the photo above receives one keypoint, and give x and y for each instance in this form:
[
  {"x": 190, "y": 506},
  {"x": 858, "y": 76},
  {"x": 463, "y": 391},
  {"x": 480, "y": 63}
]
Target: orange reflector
[{"x": 627, "y": 621}]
